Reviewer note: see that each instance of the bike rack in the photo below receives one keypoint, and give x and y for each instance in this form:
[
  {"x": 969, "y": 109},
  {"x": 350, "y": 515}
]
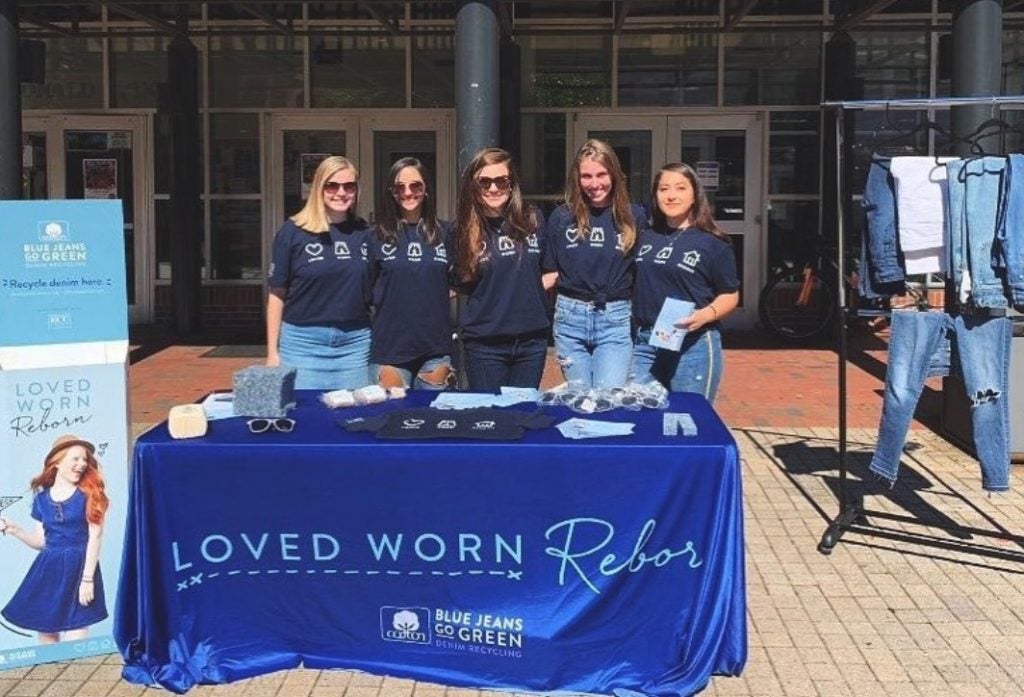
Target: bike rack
[{"x": 852, "y": 516}]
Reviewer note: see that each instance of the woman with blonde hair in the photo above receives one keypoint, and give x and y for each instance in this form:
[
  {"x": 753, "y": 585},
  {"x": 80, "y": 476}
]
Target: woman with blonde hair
[
  {"x": 318, "y": 318},
  {"x": 590, "y": 242},
  {"x": 504, "y": 320}
]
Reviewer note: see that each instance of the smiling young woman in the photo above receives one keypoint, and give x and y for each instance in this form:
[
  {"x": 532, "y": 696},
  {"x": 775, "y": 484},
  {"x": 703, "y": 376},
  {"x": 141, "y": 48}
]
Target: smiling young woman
[
  {"x": 318, "y": 318},
  {"x": 590, "y": 242},
  {"x": 684, "y": 255}
]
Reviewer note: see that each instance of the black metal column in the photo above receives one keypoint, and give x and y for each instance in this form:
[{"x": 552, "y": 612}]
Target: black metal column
[
  {"x": 10, "y": 103},
  {"x": 476, "y": 77},
  {"x": 977, "y": 62},
  {"x": 186, "y": 225}
]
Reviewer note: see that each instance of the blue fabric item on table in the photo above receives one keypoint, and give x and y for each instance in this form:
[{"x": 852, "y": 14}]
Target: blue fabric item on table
[{"x": 544, "y": 565}]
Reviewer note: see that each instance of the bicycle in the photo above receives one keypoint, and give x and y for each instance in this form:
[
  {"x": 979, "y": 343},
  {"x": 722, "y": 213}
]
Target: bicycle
[{"x": 798, "y": 303}]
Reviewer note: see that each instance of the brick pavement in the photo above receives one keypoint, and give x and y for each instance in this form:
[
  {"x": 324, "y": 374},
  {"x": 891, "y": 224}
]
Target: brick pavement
[{"x": 931, "y": 604}]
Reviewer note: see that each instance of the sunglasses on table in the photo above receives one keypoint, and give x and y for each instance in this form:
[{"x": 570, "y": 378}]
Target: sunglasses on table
[
  {"x": 348, "y": 187},
  {"x": 264, "y": 425},
  {"x": 485, "y": 183},
  {"x": 414, "y": 188}
]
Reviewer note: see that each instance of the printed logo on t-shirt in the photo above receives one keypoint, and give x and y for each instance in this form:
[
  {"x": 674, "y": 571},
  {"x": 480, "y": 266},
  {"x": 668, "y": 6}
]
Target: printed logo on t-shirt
[
  {"x": 663, "y": 254},
  {"x": 484, "y": 426},
  {"x": 388, "y": 250},
  {"x": 644, "y": 249},
  {"x": 506, "y": 246},
  {"x": 363, "y": 251},
  {"x": 619, "y": 244},
  {"x": 440, "y": 253},
  {"x": 412, "y": 424},
  {"x": 597, "y": 237},
  {"x": 447, "y": 424},
  {"x": 690, "y": 261},
  {"x": 574, "y": 236},
  {"x": 531, "y": 241},
  {"x": 414, "y": 251},
  {"x": 341, "y": 250},
  {"x": 314, "y": 250}
]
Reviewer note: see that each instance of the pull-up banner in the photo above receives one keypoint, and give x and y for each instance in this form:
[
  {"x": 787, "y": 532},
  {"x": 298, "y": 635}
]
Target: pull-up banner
[{"x": 63, "y": 427}]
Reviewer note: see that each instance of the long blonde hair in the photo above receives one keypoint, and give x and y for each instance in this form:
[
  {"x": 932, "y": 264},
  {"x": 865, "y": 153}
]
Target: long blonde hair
[
  {"x": 313, "y": 216},
  {"x": 622, "y": 213}
]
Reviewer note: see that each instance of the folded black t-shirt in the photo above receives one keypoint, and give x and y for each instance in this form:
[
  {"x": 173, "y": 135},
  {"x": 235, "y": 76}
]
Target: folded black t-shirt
[{"x": 483, "y": 423}]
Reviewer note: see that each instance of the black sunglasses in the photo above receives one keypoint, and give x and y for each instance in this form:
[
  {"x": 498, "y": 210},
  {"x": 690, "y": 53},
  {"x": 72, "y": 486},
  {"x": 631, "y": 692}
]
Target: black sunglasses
[
  {"x": 503, "y": 183},
  {"x": 349, "y": 187},
  {"x": 264, "y": 425},
  {"x": 414, "y": 188}
]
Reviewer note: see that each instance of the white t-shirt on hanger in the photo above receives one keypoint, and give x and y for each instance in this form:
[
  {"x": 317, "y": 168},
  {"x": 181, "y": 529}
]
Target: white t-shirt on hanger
[{"x": 922, "y": 204}]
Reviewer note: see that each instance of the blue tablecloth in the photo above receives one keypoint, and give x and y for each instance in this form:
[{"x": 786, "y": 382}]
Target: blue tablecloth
[{"x": 606, "y": 565}]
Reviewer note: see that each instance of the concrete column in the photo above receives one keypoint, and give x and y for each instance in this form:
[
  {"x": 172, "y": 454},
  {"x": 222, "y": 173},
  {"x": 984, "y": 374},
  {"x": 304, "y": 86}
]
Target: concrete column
[
  {"x": 977, "y": 62},
  {"x": 10, "y": 103},
  {"x": 476, "y": 77}
]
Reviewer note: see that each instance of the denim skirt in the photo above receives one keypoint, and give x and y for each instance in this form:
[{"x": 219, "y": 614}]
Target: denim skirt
[{"x": 327, "y": 358}]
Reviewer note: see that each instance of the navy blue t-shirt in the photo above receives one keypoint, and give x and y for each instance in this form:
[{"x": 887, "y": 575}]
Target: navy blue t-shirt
[
  {"x": 325, "y": 275},
  {"x": 688, "y": 264},
  {"x": 507, "y": 299},
  {"x": 593, "y": 267},
  {"x": 410, "y": 294}
]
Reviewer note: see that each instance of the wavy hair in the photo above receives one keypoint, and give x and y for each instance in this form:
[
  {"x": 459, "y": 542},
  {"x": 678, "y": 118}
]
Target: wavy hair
[
  {"x": 313, "y": 216},
  {"x": 91, "y": 482},
  {"x": 703, "y": 217},
  {"x": 391, "y": 213},
  {"x": 520, "y": 221},
  {"x": 622, "y": 213}
]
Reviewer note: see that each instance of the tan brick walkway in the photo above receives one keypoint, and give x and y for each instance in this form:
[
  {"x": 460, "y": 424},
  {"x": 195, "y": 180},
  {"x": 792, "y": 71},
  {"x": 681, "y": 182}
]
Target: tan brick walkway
[{"x": 929, "y": 605}]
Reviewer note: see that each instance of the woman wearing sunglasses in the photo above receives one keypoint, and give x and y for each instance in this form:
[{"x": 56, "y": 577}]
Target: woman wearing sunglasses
[
  {"x": 685, "y": 255},
  {"x": 412, "y": 337},
  {"x": 318, "y": 318},
  {"x": 589, "y": 250},
  {"x": 504, "y": 320}
]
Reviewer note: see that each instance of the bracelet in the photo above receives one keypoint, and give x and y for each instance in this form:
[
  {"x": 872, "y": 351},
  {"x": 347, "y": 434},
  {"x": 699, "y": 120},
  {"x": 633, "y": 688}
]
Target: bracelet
[{"x": 712, "y": 307}]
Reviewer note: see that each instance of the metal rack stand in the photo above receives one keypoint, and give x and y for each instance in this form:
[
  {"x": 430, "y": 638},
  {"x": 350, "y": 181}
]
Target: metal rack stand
[{"x": 851, "y": 513}]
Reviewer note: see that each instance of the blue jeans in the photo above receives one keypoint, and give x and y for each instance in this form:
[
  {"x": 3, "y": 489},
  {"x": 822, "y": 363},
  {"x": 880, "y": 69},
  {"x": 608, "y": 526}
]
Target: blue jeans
[
  {"x": 593, "y": 345},
  {"x": 418, "y": 374},
  {"x": 881, "y": 272},
  {"x": 696, "y": 367},
  {"x": 976, "y": 197},
  {"x": 1011, "y": 231},
  {"x": 921, "y": 346},
  {"x": 510, "y": 361},
  {"x": 327, "y": 358}
]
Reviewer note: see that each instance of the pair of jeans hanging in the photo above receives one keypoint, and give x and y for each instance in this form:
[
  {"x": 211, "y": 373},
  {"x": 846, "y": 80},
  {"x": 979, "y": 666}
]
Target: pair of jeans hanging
[
  {"x": 977, "y": 195},
  {"x": 933, "y": 344},
  {"x": 1010, "y": 234},
  {"x": 881, "y": 269}
]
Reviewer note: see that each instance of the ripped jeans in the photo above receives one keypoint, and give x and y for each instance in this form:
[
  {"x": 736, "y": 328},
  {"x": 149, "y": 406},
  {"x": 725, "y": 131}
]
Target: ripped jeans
[
  {"x": 933, "y": 344},
  {"x": 424, "y": 374},
  {"x": 593, "y": 344}
]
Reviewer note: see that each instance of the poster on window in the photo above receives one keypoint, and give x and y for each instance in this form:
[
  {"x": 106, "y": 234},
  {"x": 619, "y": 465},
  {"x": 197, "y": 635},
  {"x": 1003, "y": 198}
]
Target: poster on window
[
  {"x": 63, "y": 427},
  {"x": 708, "y": 174},
  {"x": 308, "y": 162},
  {"x": 100, "y": 177}
]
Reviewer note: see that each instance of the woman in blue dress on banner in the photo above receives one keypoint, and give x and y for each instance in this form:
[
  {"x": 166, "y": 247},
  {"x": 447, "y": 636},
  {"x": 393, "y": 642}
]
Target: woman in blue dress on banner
[
  {"x": 318, "y": 318},
  {"x": 409, "y": 263},
  {"x": 62, "y": 593},
  {"x": 590, "y": 239},
  {"x": 684, "y": 255},
  {"x": 504, "y": 319}
]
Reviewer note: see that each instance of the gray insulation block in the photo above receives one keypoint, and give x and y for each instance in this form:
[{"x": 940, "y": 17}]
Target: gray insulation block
[{"x": 261, "y": 390}]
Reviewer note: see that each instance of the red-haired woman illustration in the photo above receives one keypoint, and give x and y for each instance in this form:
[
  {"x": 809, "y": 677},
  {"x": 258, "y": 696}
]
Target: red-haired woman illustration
[{"x": 62, "y": 593}]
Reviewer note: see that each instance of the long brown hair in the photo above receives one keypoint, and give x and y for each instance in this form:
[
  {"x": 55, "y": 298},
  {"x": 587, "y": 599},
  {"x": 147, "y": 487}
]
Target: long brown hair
[
  {"x": 391, "y": 214},
  {"x": 703, "y": 216},
  {"x": 91, "y": 483},
  {"x": 622, "y": 213},
  {"x": 520, "y": 221}
]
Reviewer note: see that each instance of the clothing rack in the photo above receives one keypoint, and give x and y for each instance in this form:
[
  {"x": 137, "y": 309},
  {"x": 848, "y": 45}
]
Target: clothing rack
[{"x": 851, "y": 513}]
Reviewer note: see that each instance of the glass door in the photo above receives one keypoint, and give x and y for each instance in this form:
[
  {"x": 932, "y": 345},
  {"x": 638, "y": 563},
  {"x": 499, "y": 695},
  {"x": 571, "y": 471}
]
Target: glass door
[
  {"x": 104, "y": 157},
  {"x": 638, "y": 141},
  {"x": 388, "y": 139},
  {"x": 726, "y": 151}
]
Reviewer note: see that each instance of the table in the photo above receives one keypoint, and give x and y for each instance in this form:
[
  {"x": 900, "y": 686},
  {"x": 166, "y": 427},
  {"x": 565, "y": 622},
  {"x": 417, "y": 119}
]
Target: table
[{"x": 545, "y": 564}]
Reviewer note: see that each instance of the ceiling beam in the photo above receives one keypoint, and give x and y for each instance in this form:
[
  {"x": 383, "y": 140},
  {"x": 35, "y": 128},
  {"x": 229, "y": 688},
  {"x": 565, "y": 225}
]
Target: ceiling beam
[
  {"x": 736, "y": 17},
  {"x": 43, "y": 24},
  {"x": 863, "y": 14},
  {"x": 389, "y": 24},
  {"x": 139, "y": 15},
  {"x": 1011, "y": 4},
  {"x": 621, "y": 12},
  {"x": 259, "y": 13}
]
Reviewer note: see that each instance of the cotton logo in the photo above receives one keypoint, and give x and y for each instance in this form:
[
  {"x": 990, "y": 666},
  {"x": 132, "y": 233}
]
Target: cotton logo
[
  {"x": 408, "y": 624},
  {"x": 414, "y": 251},
  {"x": 314, "y": 249},
  {"x": 53, "y": 231}
]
